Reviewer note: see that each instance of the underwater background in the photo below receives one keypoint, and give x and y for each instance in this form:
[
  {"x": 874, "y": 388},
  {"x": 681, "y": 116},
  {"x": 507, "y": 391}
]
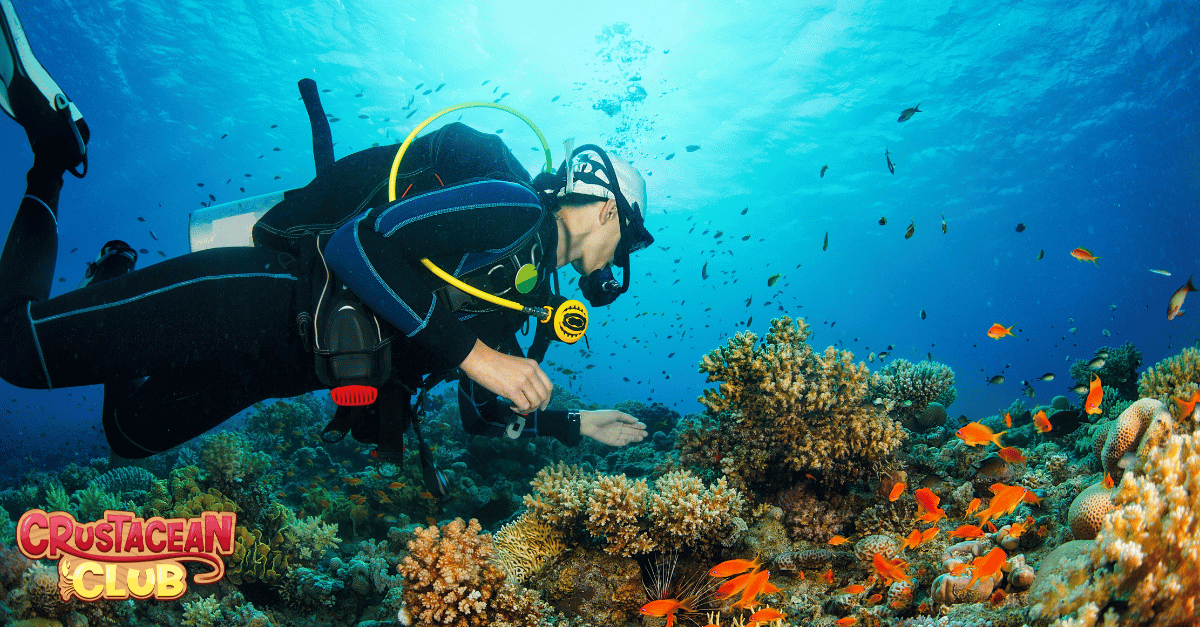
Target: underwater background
[{"x": 1044, "y": 127}]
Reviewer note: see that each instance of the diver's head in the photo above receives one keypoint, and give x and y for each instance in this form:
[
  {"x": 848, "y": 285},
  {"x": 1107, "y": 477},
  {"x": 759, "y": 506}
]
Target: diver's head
[{"x": 613, "y": 193}]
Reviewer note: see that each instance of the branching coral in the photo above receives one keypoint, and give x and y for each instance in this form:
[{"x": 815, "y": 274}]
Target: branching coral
[
  {"x": 1142, "y": 565},
  {"x": 908, "y": 388},
  {"x": 1177, "y": 376},
  {"x": 781, "y": 406},
  {"x": 311, "y": 536},
  {"x": 229, "y": 458},
  {"x": 449, "y": 577},
  {"x": 629, "y": 518}
]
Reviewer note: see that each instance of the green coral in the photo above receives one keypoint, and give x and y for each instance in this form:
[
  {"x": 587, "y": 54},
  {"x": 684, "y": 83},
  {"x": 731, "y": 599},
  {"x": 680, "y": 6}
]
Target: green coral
[
  {"x": 93, "y": 500},
  {"x": 1119, "y": 370},
  {"x": 311, "y": 536},
  {"x": 229, "y": 458},
  {"x": 57, "y": 498},
  {"x": 781, "y": 407},
  {"x": 204, "y": 612}
]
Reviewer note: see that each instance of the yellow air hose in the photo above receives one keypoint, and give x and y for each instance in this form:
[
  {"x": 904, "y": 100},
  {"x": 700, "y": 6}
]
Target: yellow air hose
[{"x": 570, "y": 321}]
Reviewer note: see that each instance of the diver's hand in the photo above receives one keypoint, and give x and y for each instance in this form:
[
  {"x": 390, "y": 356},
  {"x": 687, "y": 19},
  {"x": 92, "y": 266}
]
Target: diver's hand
[
  {"x": 611, "y": 427},
  {"x": 520, "y": 380}
]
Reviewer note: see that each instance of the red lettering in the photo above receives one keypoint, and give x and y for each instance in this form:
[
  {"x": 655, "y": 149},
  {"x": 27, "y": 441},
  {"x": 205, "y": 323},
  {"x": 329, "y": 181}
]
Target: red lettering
[
  {"x": 174, "y": 536},
  {"x": 104, "y": 541},
  {"x": 84, "y": 542},
  {"x": 118, "y": 519},
  {"x": 195, "y": 536},
  {"x": 218, "y": 530},
  {"x": 135, "y": 538},
  {"x": 61, "y": 526},
  {"x": 30, "y": 520},
  {"x": 153, "y": 525}
]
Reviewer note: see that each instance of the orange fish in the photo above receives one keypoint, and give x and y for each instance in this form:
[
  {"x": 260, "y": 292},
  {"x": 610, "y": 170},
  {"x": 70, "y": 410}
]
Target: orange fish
[
  {"x": 384, "y": 499},
  {"x": 927, "y": 499},
  {"x": 1007, "y": 421},
  {"x": 1094, "y": 398},
  {"x": 837, "y": 540},
  {"x": 912, "y": 541},
  {"x": 828, "y": 576},
  {"x": 874, "y": 598},
  {"x": 753, "y": 588},
  {"x": 987, "y": 566},
  {"x": 1186, "y": 407},
  {"x": 1175, "y": 307},
  {"x": 1032, "y": 499},
  {"x": 766, "y": 614},
  {"x": 890, "y": 571},
  {"x": 664, "y": 607},
  {"x": 1016, "y": 529},
  {"x": 972, "y": 507},
  {"x": 958, "y": 568},
  {"x": 1006, "y": 499},
  {"x": 967, "y": 531},
  {"x": 897, "y": 490},
  {"x": 845, "y": 622},
  {"x": 729, "y": 568},
  {"x": 323, "y": 503},
  {"x": 998, "y": 331},
  {"x": 1084, "y": 254},
  {"x": 929, "y": 534},
  {"x": 395, "y": 485},
  {"x": 974, "y": 434},
  {"x": 1041, "y": 422},
  {"x": 427, "y": 496},
  {"x": 1108, "y": 481},
  {"x": 853, "y": 589},
  {"x": 997, "y": 598},
  {"x": 1012, "y": 454},
  {"x": 733, "y": 586}
]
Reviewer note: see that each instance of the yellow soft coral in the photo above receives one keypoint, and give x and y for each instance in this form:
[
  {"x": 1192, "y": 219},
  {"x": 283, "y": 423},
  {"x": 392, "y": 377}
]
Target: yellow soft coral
[
  {"x": 1143, "y": 565},
  {"x": 781, "y": 405},
  {"x": 524, "y": 545}
]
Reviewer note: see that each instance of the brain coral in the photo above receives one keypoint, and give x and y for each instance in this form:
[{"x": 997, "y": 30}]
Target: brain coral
[
  {"x": 1088, "y": 510},
  {"x": 1129, "y": 429},
  {"x": 782, "y": 407}
]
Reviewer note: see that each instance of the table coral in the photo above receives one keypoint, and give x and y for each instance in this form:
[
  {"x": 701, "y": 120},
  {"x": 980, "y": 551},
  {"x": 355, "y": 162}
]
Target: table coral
[
  {"x": 780, "y": 406},
  {"x": 1142, "y": 566}
]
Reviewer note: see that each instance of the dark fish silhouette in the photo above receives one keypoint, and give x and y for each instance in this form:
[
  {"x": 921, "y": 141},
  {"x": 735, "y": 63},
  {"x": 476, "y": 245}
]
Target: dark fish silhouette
[
  {"x": 212, "y": 198},
  {"x": 922, "y": 314},
  {"x": 912, "y": 228},
  {"x": 153, "y": 236},
  {"x": 427, "y": 92},
  {"x": 823, "y": 168},
  {"x": 143, "y": 251},
  {"x": 141, "y": 219},
  {"x": 745, "y": 210},
  {"x": 996, "y": 380},
  {"x": 326, "y": 90},
  {"x": 1041, "y": 253},
  {"x": 943, "y": 224},
  {"x": 825, "y": 246},
  {"x": 704, "y": 271},
  {"x": 555, "y": 98},
  {"x": 225, "y": 135},
  {"x": 883, "y": 221},
  {"x": 439, "y": 87},
  {"x": 1020, "y": 227},
  {"x": 669, "y": 157},
  {"x": 274, "y": 126},
  {"x": 891, "y": 166},
  {"x": 199, "y": 184},
  {"x": 362, "y": 116},
  {"x": 692, "y": 148},
  {"x": 908, "y": 113}
]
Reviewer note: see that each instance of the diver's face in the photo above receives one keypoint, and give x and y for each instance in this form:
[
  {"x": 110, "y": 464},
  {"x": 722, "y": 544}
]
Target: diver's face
[{"x": 601, "y": 248}]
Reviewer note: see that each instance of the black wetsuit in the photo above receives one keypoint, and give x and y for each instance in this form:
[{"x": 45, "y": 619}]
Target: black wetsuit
[{"x": 213, "y": 332}]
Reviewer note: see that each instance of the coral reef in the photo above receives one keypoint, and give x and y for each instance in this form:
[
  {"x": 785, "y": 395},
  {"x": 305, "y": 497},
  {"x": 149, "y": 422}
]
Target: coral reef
[
  {"x": 450, "y": 580},
  {"x": 783, "y": 408},
  {"x": 125, "y": 479},
  {"x": 230, "y": 459},
  {"x": 1147, "y": 416},
  {"x": 524, "y": 545},
  {"x": 1177, "y": 376},
  {"x": 1141, "y": 569},
  {"x": 1119, "y": 370},
  {"x": 907, "y": 389},
  {"x": 811, "y": 518},
  {"x": 629, "y": 518},
  {"x": 593, "y": 585}
]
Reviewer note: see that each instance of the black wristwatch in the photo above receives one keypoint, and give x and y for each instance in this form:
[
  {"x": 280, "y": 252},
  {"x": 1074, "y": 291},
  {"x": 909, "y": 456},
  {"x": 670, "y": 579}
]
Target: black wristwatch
[{"x": 574, "y": 435}]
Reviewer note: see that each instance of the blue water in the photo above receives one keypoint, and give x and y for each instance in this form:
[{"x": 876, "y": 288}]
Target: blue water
[{"x": 1078, "y": 119}]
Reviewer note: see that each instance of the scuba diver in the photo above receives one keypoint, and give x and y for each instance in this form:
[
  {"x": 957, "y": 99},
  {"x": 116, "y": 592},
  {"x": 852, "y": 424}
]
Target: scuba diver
[{"x": 349, "y": 286}]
